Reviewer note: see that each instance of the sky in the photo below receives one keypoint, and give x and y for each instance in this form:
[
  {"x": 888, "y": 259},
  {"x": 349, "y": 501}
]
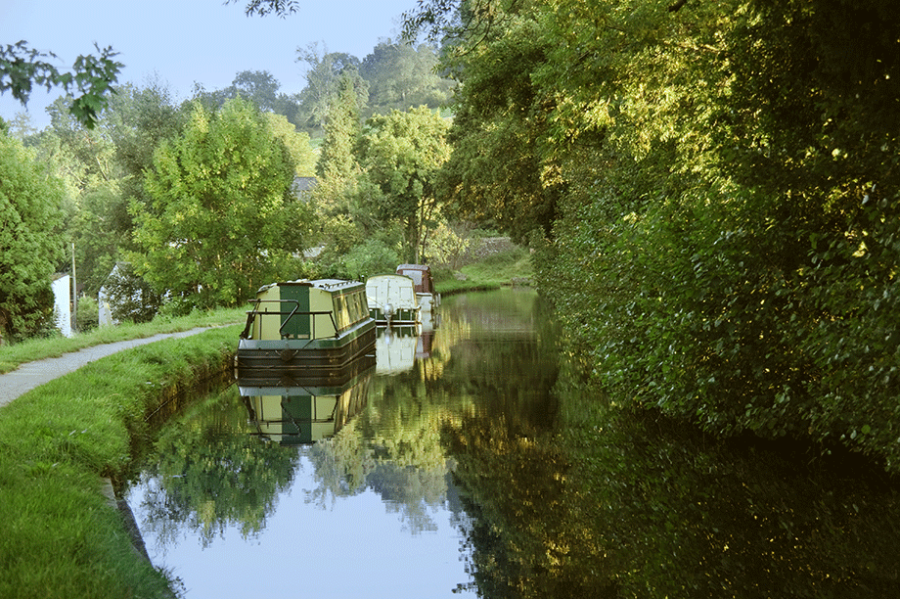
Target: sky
[{"x": 182, "y": 42}]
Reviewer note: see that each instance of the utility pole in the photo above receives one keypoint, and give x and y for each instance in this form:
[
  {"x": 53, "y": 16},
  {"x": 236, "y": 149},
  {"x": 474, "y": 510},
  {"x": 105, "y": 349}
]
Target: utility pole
[{"x": 74, "y": 293}]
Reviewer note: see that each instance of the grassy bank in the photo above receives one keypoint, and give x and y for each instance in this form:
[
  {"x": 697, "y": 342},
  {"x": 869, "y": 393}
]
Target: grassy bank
[
  {"x": 508, "y": 267},
  {"x": 11, "y": 356},
  {"x": 58, "y": 537}
]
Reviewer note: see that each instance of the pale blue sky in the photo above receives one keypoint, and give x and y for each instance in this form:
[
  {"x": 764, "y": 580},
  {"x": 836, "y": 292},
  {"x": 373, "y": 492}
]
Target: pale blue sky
[{"x": 180, "y": 42}]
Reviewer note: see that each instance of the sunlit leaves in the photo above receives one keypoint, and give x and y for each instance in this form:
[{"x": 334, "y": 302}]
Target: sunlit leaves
[{"x": 223, "y": 219}]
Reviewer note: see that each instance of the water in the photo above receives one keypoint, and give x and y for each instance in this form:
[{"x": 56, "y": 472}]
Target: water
[
  {"x": 235, "y": 501},
  {"x": 470, "y": 462}
]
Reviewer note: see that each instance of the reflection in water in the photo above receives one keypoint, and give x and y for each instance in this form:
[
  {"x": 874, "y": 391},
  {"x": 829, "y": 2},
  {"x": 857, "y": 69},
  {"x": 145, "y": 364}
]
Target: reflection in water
[
  {"x": 480, "y": 467},
  {"x": 679, "y": 514},
  {"x": 305, "y": 413},
  {"x": 323, "y": 450},
  {"x": 206, "y": 475}
]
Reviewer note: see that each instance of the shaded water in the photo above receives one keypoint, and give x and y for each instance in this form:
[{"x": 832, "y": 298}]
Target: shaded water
[{"x": 467, "y": 463}]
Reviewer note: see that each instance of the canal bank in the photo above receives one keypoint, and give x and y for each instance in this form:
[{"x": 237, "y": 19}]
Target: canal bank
[{"x": 58, "y": 440}]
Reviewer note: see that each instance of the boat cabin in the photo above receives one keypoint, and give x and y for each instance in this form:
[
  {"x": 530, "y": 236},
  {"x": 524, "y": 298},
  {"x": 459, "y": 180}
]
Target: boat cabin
[
  {"x": 392, "y": 299},
  {"x": 423, "y": 284},
  {"x": 306, "y": 324}
]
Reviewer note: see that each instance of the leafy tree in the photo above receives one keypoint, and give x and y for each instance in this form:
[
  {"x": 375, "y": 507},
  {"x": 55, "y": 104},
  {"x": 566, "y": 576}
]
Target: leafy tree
[
  {"x": 324, "y": 76},
  {"x": 497, "y": 172},
  {"x": 92, "y": 77},
  {"x": 713, "y": 186},
  {"x": 258, "y": 87},
  {"x": 222, "y": 218},
  {"x": 401, "y": 76},
  {"x": 342, "y": 129},
  {"x": 401, "y": 153},
  {"x": 131, "y": 298},
  {"x": 30, "y": 240},
  {"x": 296, "y": 143}
]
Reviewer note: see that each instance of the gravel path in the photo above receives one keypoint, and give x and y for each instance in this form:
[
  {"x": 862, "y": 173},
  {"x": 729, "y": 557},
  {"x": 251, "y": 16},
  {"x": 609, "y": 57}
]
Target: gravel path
[{"x": 34, "y": 374}]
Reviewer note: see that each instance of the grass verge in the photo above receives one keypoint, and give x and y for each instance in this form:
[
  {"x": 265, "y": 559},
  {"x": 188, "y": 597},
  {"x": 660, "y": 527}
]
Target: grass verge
[
  {"x": 509, "y": 267},
  {"x": 58, "y": 537},
  {"x": 11, "y": 356}
]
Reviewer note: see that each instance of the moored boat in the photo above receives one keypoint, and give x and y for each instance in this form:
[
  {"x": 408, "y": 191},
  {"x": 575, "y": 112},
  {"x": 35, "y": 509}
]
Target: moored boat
[
  {"x": 392, "y": 299},
  {"x": 423, "y": 284},
  {"x": 297, "y": 327}
]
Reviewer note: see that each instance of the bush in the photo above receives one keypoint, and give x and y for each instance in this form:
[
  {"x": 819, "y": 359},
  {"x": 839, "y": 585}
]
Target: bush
[{"x": 87, "y": 317}]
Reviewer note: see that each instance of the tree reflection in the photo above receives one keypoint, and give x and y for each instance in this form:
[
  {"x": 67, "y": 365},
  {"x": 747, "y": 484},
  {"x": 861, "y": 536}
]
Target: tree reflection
[
  {"x": 681, "y": 515},
  {"x": 210, "y": 473}
]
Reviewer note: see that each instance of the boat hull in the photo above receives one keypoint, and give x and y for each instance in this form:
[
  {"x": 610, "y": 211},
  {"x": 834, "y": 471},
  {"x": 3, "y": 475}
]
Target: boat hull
[{"x": 265, "y": 358}]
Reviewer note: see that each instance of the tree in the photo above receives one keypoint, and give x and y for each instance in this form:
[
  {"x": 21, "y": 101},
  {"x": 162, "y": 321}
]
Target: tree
[
  {"x": 323, "y": 80},
  {"x": 222, "y": 218},
  {"x": 296, "y": 143},
  {"x": 30, "y": 240},
  {"x": 342, "y": 128},
  {"x": 401, "y": 76},
  {"x": 92, "y": 77},
  {"x": 401, "y": 154},
  {"x": 714, "y": 190}
]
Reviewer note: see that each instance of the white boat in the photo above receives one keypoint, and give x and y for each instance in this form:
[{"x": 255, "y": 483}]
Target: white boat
[{"x": 392, "y": 299}]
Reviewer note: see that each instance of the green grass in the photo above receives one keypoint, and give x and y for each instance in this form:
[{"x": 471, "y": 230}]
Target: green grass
[
  {"x": 58, "y": 537},
  {"x": 11, "y": 356},
  {"x": 511, "y": 267}
]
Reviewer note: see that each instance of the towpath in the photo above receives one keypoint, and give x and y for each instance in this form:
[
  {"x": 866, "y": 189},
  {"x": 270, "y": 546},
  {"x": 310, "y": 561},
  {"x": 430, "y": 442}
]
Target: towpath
[{"x": 34, "y": 374}]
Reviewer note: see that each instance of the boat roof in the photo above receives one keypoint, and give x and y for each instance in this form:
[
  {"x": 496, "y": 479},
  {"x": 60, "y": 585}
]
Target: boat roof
[
  {"x": 413, "y": 267},
  {"x": 325, "y": 284},
  {"x": 393, "y": 275}
]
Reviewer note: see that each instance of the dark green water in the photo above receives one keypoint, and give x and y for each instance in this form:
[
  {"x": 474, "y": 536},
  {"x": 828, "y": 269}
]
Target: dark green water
[{"x": 467, "y": 462}]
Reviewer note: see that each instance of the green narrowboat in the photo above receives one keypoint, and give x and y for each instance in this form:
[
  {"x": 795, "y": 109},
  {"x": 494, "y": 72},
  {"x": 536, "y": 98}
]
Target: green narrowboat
[{"x": 299, "y": 327}]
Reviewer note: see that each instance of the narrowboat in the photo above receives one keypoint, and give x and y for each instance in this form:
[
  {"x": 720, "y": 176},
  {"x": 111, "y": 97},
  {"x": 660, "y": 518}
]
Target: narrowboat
[
  {"x": 392, "y": 300},
  {"x": 423, "y": 284},
  {"x": 299, "y": 327}
]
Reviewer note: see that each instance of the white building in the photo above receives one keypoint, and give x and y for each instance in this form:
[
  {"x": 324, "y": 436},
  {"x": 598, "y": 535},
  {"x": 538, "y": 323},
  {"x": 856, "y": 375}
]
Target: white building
[{"x": 62, "y": 303}]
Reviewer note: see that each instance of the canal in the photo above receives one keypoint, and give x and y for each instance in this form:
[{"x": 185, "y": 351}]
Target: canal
[{"x": 468, "y": 461}]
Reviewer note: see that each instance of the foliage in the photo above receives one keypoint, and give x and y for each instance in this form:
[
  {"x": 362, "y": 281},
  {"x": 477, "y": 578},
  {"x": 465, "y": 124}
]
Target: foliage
[
  {"x": 712, "y": 188},
  {"x": 296, "y": 143},
  {"x": 223, "y": 219},
  {"x": 324, "y": 78},
  {"x": 30, "y": 240},
  {"x": 401, "y": 153},
  {"x": 22, "y": 67},
  {"x": 401, "y": 76},
  {"x": 130, "y": 297},
  {"x": 342, "y": 128},
  {"x": 282, "y": 8},
  {"x": 371, "y": 257},
  {"x": 497, "y": 172},
  {"x": 87, "y": 317}
]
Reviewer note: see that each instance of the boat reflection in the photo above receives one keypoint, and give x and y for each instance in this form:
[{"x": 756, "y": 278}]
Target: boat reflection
[
  {"x": 398, "y": 347},
  {"x": 296, "y": 411}
]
